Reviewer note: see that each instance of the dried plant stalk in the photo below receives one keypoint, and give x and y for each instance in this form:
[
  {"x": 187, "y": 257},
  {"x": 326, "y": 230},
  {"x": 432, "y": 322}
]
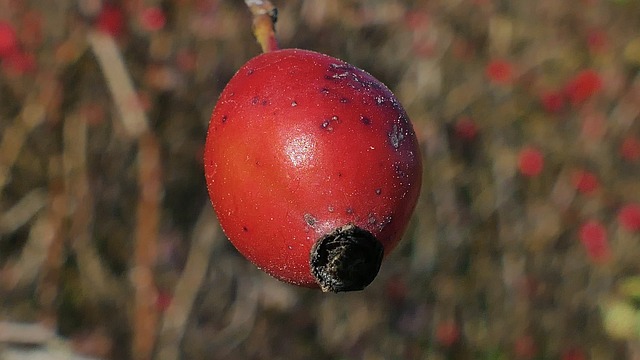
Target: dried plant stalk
[
  {"x": 206, "y": 235},
  {"x": 23, "y": 211},
  {"x": 265, "y": 16},
  {"x": 135, "y": 122},
  {"x": 34, "y": 253},
  {"x": 80, "y": 204},
  {"x": 120, "y": 83},
  {"x": 145, "y": 315},
  {"x": 48, "y": 283},
  {"x": 16, "y": 134}
]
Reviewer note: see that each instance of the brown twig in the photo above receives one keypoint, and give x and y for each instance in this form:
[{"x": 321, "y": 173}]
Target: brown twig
[
  {"x": 135, "y": 122},
  {"x": 16, "y": 134},
  {"x": 22, "y": 211},
  {"x": 80, "y": 205},
  {"x": 206, "y": 235},
  {"x": 242, "y": 318},
  {"x": 145, "y": 316},
  {"x": 265, "y": 16},
  {"x": 119, "y": 82},
  {"x": 48, "y": 282}
]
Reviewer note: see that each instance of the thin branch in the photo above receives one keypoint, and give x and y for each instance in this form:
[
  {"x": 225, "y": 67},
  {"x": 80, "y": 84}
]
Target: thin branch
[
  {"x": 145, "y": 316},
  {"x": 265, "y": 16},
  {"x": 120, "y": 83},
  {"x": 204, "y": 239},
  {"x": 23, "y": 211},
  {"x": 56, "y": 213},
  {"x": 15, "y": 135},
  {"x": 80, "y": 204}
]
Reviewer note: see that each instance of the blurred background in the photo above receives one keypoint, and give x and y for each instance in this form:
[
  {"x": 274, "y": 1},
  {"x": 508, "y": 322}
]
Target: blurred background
[{"x": 525, "y": 243}]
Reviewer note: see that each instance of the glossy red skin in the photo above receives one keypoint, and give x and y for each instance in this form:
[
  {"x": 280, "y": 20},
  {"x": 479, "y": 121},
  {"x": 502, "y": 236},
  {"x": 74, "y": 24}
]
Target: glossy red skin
[{"x": 300, "y": 143}]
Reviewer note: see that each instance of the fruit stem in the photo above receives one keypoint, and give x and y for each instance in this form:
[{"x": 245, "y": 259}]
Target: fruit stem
[{"x": 265, "y": 16}]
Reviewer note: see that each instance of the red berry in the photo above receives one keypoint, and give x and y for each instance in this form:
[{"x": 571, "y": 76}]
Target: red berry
[
  {"x": 525, "y": 347},
  {"x": 593, "y": 236},
  {"x": 585, "y": 181},
  {"x": 19, "y": 63},
  {"x": 466, "y": 128},
  {"x": 552, "y": 101},
  {"x": 447, "y": 333},
  {"x": 152, "y": 19},
  {"x": 583, "y": 86},
  {"x": 573, "y": 354},
  {"x": 111, "y": 20},
  {"x": 629, "y": 217},
  {"x": 597, "y": 41},
  {"x": 417, "y": 20},
  {"x": 630, "y": 149},
  {"x": 530, "y": 162},
  {"x": 500, "y": 72},
  {"x": 163, "y": 300},
  {"x": 313, "y": 168},
  {"x": 8, "y": 40}
]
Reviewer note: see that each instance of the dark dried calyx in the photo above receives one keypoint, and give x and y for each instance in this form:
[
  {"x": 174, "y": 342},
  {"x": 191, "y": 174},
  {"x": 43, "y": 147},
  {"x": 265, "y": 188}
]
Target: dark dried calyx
[{"x": 347, "y": 259}]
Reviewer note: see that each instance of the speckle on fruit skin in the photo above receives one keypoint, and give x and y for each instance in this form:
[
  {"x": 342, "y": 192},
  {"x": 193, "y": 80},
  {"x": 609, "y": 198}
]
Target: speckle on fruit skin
[
  {"x": 396, "y": 136},
  {"x": 306, "y": 149},
  {"x": 309, "y": 219}
]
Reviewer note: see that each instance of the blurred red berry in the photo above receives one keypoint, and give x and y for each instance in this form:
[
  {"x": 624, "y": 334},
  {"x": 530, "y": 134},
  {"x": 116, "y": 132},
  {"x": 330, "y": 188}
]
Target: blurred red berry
[
  {"x": 186, "y": 60},
  {"x": 593, "y": 236},
  {"x": 163, "y": 300},
  {"x": 584, "y": 181},
  {"x": 447, "y": 333},
  {"x": 424, "y": 48},
  {"x": 552, "y": 101},
  {"x": 417, "y": 20},
  {"x": 462, "y": 49},
  {"x": 525, "y": 347},
  {"x": 19, "y": 63},
  {"x": 583, "y": 86},
  {"x": 629, "y": 217},
  {"x": 573, "y": 354},
  {"x": 499, "y": 72},
  {"x": 152, "y": 19},
  {"x": 466, "y": 128},
  {"x": 8, "y": 40},
  {"x": 630, "y": 149},
  {"x": 111, "y": 20},
  {"x": 530, "y": 161},
  {"x": 597, "y": 41}
]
